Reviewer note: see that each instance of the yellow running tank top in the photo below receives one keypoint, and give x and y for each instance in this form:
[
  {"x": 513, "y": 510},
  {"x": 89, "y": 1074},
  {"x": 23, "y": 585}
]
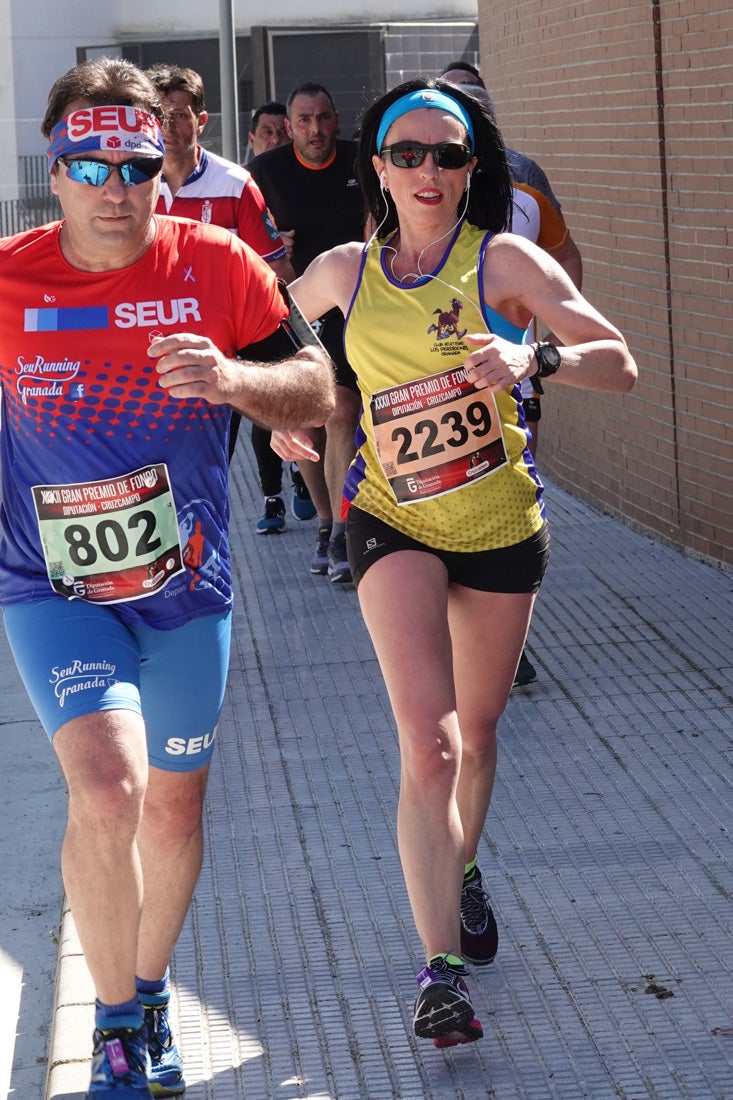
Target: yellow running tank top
[{"x": 436, "y": 458}]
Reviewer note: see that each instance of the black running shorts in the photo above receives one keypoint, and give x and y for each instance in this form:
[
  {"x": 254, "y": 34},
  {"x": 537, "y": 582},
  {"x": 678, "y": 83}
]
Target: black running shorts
[{"x": 518, "y": 568}]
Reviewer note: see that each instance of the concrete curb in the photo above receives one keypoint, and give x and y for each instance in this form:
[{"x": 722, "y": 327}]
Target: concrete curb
[{"x": 73, "y": 1018}]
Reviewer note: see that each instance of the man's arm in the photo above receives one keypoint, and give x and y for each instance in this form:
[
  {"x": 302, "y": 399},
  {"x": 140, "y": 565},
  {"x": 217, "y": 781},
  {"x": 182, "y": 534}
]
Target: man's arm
[
  {"x": 257, "y": 227},
  {"x": 283, "y": 268},
  {"x": 295, "y": 392}
]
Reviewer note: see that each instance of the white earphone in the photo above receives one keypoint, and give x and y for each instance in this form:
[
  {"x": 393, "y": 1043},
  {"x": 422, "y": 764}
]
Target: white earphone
[{"x": 383, "y": 179}]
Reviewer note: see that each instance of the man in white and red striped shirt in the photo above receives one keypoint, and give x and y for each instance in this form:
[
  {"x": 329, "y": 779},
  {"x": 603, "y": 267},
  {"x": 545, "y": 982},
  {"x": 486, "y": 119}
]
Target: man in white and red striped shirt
[{"x": 200, "y": 185}]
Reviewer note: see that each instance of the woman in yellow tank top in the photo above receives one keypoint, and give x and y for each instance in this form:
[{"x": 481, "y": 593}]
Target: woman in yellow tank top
[{"x": 446, "y": 530}]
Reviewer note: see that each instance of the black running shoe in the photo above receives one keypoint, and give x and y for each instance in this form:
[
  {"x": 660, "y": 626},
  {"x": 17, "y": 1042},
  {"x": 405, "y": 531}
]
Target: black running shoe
[
  {"x": 479, "y": 934},
  {"x": 443, "y": 1010},
  {"x": 526, "y": 672},
  {"x": 319, "y": 561},
  {"x": 339, "y": 569},
  {"x": 272, "y": 520}
]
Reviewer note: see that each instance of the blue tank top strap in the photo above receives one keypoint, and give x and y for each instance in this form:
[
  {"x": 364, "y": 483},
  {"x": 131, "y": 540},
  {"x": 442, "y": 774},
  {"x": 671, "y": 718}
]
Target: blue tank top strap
[
  {"x": 362, "y": 263},
  {"x": 495, "y": 322}
]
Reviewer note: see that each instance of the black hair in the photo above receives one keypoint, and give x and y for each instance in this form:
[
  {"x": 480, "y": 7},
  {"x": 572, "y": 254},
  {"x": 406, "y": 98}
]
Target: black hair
[
  {"x": 310, "y": 87},
  {"x": 490, "y": 195},
  {"x": 270, "y": 108},
  {"x": 464, "y": 67}
]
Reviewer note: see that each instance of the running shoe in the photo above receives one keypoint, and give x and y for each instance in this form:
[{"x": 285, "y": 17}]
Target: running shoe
[
  {"x": 319, "y": 561},
  {"x": 479, "y": 934},
  {"x": 166, "y": 1072},
  {"x": 443, "y": 1010},
  {"x": 339, "y": 569},
  {"x": 301, "y": 504},
  {"x": 120, "y": 1065},
  {"x": 272, "y": 520},
  {"x": 526, "y": 672}
]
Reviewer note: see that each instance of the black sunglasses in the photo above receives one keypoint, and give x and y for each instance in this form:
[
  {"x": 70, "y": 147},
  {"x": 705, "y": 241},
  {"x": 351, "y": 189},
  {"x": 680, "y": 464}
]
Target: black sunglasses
[
  {"x": 97, "y": 172},
  {"x": 411, "y": 154}
]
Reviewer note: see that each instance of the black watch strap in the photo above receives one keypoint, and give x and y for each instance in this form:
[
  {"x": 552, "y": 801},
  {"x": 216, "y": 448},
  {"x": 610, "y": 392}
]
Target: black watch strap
[{"x": 545, "y": 368}]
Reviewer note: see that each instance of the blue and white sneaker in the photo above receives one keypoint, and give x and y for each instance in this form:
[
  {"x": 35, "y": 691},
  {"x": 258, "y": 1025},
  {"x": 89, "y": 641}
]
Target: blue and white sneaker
[
  {"x": 443, "y": 1009},
  {"x": 301, "y": 504},
  {"x": 120, "y": 1065},
  {"x": 166, "y": 1071},
  {"x": 272, "y": 520}
]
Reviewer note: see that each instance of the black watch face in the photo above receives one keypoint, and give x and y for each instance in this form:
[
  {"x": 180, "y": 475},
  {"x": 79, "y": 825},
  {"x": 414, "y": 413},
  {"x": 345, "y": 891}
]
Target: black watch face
[{"x": 550, "y": 357}]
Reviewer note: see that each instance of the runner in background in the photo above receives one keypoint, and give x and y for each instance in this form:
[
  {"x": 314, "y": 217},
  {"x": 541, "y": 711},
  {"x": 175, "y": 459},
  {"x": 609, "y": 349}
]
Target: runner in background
[
  {"x": 267, "y": 132},
  {"x": 311, "y": 188},
  {"x": 268, "y": 128},
  {"x": 200, "y": 185}
]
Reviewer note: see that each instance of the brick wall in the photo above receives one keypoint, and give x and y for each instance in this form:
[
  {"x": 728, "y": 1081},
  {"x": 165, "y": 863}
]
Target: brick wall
[{"x": 627, "y": 106}]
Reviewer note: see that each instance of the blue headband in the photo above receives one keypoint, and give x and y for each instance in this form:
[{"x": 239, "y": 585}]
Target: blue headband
[{"x": 425, "y": 97}]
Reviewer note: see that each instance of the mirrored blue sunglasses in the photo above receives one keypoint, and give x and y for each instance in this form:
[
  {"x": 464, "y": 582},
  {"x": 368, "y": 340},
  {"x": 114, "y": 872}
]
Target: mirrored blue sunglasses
[{"x": 97, "y": 172}]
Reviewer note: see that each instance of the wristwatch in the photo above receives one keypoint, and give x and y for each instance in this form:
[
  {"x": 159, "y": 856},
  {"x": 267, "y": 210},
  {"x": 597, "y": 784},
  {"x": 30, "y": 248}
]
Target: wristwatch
[{"x": 548, "y": 360}]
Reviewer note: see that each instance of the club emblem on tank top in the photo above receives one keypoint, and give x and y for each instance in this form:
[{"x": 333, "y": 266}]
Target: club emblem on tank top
[{"x": 445, "y": 326}]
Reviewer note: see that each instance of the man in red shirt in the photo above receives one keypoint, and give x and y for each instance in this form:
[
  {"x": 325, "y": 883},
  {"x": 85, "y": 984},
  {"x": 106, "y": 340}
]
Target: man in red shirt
[{"x": 132, "y": 338}]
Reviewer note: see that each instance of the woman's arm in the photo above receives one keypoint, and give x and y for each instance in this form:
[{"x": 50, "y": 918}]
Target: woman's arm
[{"x": 328, "y": 282}]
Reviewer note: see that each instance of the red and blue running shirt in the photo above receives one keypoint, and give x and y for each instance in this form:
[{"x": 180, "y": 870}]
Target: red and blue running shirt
[{"x": 111, "y": 490}]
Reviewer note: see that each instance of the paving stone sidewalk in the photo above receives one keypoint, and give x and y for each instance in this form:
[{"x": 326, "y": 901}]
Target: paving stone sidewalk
[{"x": 607, "y": 851}]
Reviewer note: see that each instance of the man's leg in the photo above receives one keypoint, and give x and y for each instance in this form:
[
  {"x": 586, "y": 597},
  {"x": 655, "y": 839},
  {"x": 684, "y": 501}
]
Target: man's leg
[
  {"x": 340, "y": 446},
  {"x": 340, "y": 450},
  {"x": 170, "y": 843},
  {"x": 526, "y": 672},
  {"x": 313, "y": 474},
  {"x": 270, "y": 471},
  {"x": 181, "y": 715},
  {"x": 132, "y": 827},
  {"x": 104, "y": 760},
  {"x": 315, "y": 479}
]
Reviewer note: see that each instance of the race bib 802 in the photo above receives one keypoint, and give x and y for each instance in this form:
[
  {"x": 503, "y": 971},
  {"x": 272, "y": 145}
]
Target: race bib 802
[{"x": 111, "y": 540}]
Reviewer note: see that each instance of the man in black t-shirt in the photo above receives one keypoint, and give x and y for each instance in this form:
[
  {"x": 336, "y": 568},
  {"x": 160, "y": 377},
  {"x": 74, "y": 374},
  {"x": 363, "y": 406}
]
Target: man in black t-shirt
[{"x": 312, "y": 193}]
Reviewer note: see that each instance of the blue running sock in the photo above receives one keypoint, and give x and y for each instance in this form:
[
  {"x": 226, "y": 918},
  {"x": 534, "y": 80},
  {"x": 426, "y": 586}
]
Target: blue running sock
[
  {"x": 128, "y": 1014},
  {"x": 154, "y": 994}
]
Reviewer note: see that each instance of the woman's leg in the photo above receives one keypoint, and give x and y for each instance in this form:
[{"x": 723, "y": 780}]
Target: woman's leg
[
  {"x": 488, "y": 630},
  {"x": 403, "y": 599}
]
